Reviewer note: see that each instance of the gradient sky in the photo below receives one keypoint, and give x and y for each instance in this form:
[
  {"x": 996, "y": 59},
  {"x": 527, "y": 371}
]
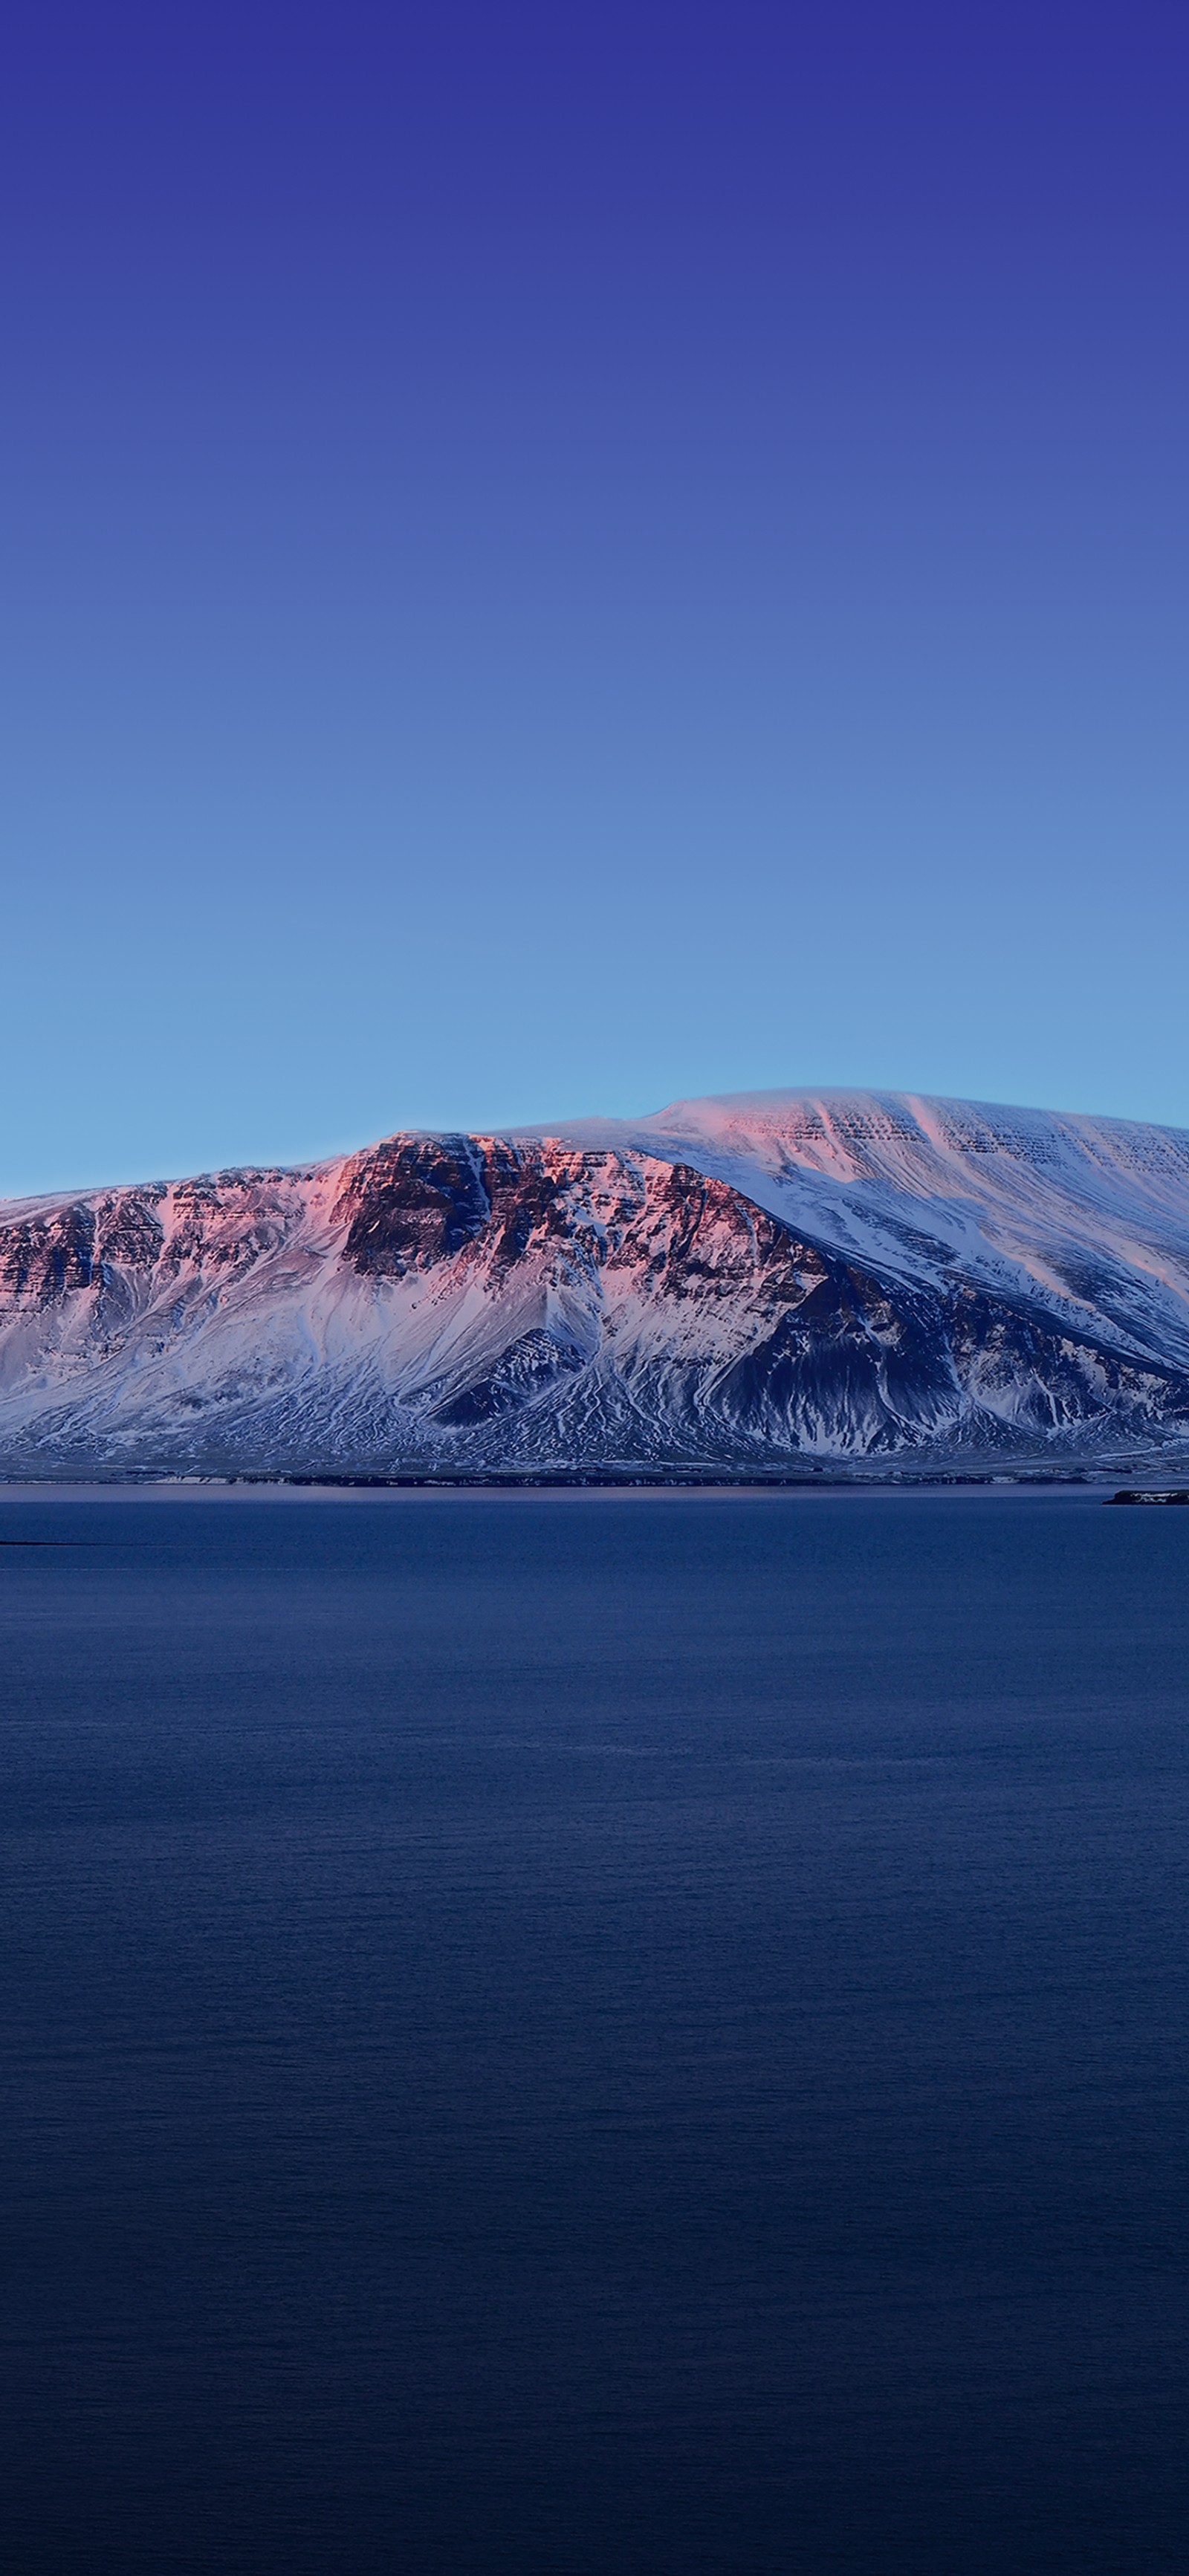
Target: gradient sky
[{"x": 560, "y": 556}]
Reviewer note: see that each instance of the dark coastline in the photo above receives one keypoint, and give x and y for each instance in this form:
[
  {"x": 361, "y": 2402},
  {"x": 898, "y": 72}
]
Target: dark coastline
[{"x": 833, "y": 1479}]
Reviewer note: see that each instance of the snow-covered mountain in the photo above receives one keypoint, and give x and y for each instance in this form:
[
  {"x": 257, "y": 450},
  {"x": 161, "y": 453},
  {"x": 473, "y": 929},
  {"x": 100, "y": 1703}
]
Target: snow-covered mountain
[{"x": 760, "y": 1281}]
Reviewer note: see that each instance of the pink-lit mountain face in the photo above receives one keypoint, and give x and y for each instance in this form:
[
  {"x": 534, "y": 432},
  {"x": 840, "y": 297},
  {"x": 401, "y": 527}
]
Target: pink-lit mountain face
[{"x": 752, "y": 1283}]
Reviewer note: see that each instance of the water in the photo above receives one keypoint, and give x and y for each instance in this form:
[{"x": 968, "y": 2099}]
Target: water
[{"x": 595, "y": 2035}]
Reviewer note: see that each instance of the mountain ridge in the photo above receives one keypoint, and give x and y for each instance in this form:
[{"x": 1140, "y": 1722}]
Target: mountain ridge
[{"x": 742, "y": 1282}]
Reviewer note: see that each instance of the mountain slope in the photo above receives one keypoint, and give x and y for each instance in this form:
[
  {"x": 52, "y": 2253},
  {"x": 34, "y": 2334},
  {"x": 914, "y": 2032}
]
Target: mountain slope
[{"x": 749, "y": 1282}]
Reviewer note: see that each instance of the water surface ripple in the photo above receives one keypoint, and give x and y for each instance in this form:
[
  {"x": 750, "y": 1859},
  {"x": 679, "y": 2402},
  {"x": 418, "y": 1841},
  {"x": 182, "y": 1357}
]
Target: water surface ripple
[{"x": 595, "y": 2035}]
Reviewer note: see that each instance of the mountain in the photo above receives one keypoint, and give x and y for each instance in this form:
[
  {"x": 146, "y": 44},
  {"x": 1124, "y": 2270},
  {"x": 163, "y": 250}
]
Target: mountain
[{"x": 767, "y": 1281}]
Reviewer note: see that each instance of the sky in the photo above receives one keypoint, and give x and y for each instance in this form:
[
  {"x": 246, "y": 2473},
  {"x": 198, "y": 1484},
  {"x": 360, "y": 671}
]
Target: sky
[{"x": 557, "y": 557}]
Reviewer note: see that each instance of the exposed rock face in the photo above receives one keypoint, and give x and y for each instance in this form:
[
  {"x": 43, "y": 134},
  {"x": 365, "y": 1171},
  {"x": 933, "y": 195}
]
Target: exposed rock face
[{"x": 749, "y": 1285}]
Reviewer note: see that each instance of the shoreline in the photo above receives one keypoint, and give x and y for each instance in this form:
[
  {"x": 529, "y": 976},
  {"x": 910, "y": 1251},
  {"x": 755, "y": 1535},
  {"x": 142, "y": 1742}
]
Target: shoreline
[{"x": 1096, "y": 1489}]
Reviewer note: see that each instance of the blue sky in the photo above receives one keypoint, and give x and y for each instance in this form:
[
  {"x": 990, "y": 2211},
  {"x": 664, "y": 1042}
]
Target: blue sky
[{"x": 558, "y": 557}]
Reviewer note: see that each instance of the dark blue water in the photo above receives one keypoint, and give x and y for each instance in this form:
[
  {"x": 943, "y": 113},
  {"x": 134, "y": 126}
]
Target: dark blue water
[{"x": 595, "y": 2036}]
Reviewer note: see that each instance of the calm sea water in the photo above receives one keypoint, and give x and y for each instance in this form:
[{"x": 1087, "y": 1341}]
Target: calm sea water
[{"x": 595, "y": 2036}]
